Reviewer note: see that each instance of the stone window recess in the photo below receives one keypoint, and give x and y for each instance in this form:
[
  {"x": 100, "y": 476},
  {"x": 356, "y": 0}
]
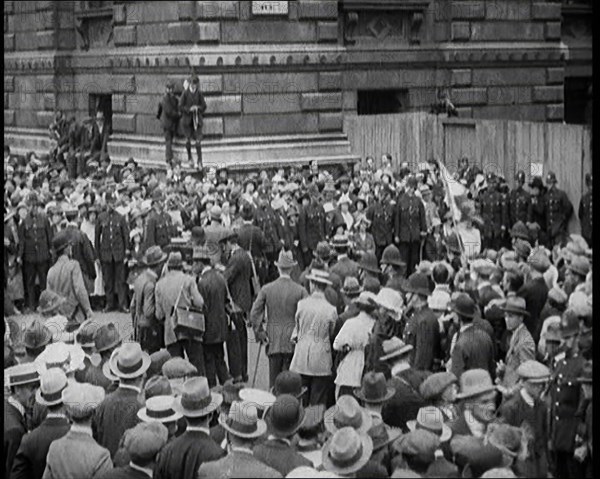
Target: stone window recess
[
  {"x": 379, "y": 102},
  {"x": 387, "y": 21},
  {"x": 94, "y": 24}
]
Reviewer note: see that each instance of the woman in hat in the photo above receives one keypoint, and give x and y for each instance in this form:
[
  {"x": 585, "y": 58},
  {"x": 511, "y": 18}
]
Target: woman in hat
[
  {"x": 362, "y": 241},
  {"x": 353, "y": 339},
  {"x": 88, "y": 227}
]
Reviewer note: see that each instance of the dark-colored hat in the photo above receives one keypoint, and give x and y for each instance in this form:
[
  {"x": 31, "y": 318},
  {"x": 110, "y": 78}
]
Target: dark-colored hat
[
  {"x": 551, "y": 177},
  {"x": 374, "y": 389},
  {"x": 322, "y": 250},
  {"x": 579, "y": 265},
  {"x": 154, "y": 255},
  {"x": 285, "y": 417},
  {"x": 247, "y": 212},
  {"x": 520, "y": 176},
  {"x": 146, "y": 439},
  {"x": 420, "y": 445},
  {"x": 49, "y": 301},
  {"x": 417, "y": 283},
  {"x": 198, "y": 233},
  {"x": 84, "y": 336},
  {"x": 569, "y": 324},
  {"x": 391, "y": 255},
  {"x": 288, "y": 382},
  {"x": 37, "y": 335},
  {"x": 516, "y": 305},
  {"x": 157, "y": 386},
  {"x": 107, "y": 337},
  {"x": 442, "y": 468},
  {"x": 452, "y": 243},
  {"x": 381, "y": 434},
  {"x": 61, "y": 240},
  {"x": 434, "y": 385},
  {"x": 368, "y": 262},
  {"x": 464, "y": 305},
  {"x": 470, "y": 452},
  {"x": 536, "y": 182},
  {"x": 175, "y": 260},
  {"x": 520, "y": 230},
  {"x": 522, "y": 248}
]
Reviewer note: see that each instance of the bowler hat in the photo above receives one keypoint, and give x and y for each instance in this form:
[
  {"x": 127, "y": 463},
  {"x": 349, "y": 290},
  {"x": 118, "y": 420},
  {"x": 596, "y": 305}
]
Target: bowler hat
[
  {"x": 36, "y": 335},
  {"x": 129, "y": 361},
  {"x": 391, "y": 255},
  {"x": 374, "y": 389},
  {"x": 288, "y": 382},
  {"x": 242, "y": 421},
  {"x": 106, "y": 337},
  {"x": 160, "y": 409},
  {"x": 196, "y": 398},
  {"x": 285, "y": 417},
  {"x": 52, "y": 383},
  {"x": 516, "y": 305},
  {"x": 144, "y": 441},
  {"x": 368, "y": 262},
  {"x": 430, "y": 419},
  {"x": 346, "y": 451},
  {"x": 475, "y": 382},
  {"x": 21, "y": 374},
  {"x": 49, "y": 301},
  {"x": 285, "y": 260},
  {"x": 464, "y": 305},
  {"x": 82, "y": 399},
  {"x": 154, "y": 255},
  {"x": 351, "y": 286},
  {"x": 417, "y": 283},
  {"x": 347, "y": 412}
]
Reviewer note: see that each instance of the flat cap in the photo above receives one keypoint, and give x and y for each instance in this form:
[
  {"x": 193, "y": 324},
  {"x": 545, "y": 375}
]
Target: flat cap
[
  {"x": 435, "y": 384},
  {"x": 557, "y": 295},
  {"x": 157, "y": 386},
  {"x": 483, "y": 267},
  {"x": 178, "y": 368},
  {"x": 143, "y": 441},
  {"x": 533, "y": 371},
  {"x": 579, "y": 265},
  {"x": 418, "y": 444},
  {"x": 539, "y": 261}
]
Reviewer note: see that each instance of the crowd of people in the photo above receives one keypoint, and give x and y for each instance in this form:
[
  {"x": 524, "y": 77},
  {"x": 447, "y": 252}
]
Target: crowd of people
[{"x": 408, "y": 334}]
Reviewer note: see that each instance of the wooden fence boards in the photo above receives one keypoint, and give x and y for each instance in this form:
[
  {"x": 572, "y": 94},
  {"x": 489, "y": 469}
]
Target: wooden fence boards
[{"x": 499, "y": 146}]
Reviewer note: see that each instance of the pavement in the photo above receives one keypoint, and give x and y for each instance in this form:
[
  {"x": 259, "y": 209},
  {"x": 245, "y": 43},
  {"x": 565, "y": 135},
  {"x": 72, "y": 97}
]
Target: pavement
[{"x": 125, "y": 326}]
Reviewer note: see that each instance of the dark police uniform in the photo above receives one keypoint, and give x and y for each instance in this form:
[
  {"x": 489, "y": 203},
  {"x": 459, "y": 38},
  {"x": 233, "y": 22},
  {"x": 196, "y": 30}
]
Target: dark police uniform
[
  {"x": 565, "y": 396},
  {"x": 586, "y": 216},
  {"x": 558, "y": 212},
  {"x": 311, "y": 228},
  {"x": 381, "y": 217},
  {"x": 409, "y": 222},
  {"x": 494, "y": 212},
  {"x": 159, "y": 230},
  {"x": 520, "y": 205}
]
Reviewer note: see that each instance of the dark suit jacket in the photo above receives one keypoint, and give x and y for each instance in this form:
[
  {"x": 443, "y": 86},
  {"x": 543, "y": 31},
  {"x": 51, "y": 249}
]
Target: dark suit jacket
[
  {"x": 15, "y": 428},
  {"x": 30, "y": 460},
  {"x": 280, "y": 456},
  {"x": 535, "y": 294},
  {"x": 251, "y": 235},
  {"x": 112, "y": 236},
  {"x": 83, "y": 251},
  {"x": 168, "y": 112},
  {"x": 485, "y": 295},
  {"x": 405, "y": 403},
  {"x": 213, "y": 288},
  {"x": 238, "y": 275},
  {"x": 427, "y": 340},
  {"x": 125, "y": 472},
  {"x": 183, "y": 455},
  {"x": 187, "y": 100},
  {"x": 116, "y": 414},
  {"x": 409, "y": 219},
  {"x": 236, "y": 464},
  {"x": 345, "y": 267},
  {"x": 473, "y": 349},
  {"x": 35, "y": 239}
]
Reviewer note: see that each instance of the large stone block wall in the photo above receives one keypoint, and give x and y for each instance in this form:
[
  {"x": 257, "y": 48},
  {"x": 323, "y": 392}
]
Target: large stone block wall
[{"x": 496, "y": 58}]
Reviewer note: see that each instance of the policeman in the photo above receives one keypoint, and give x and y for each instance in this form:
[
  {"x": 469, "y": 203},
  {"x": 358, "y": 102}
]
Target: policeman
[
  {"x": 410, "y": 226},
  {"x": 520, "y": 201},
  {"x": 559, "y": 210},
  {"x": 504, "y": 191},
  {"x": 311, "y": 223},
  {"x": 493, "y": 212},
  {"x": 585, "y": 210},
  {"x": 159, "y": 225},
  {"x": 35, "y": 240},
  {"x": 538, "y": 208},
  {"x": 381, "y": 215},
  {"x": 266, "y": 219},
  {"x": 564, "y": 397}
]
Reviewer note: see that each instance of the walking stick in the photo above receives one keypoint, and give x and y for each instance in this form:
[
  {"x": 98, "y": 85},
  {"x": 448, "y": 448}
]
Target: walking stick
[{"x": 256, "y": 365}]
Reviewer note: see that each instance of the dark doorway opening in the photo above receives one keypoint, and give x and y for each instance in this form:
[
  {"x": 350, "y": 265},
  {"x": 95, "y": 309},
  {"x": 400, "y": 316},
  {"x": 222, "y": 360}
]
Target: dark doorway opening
[
  {"x": 378, "y": 102},
  {"x": 101, "y": 102},
  {"x": 578, "y": 100}
]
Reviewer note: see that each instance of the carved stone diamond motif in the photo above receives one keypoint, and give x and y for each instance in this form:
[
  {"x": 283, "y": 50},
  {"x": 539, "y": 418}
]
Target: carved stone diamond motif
[{"x": 379, "y": 27}]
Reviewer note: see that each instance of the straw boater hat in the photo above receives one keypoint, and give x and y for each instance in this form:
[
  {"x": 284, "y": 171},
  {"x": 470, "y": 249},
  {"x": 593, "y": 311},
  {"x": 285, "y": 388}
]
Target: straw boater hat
[
  {"x": 242, "y": 421},
  {"x": 196, "y": 398},
  {"x": 21, "y": 374},
  {"x": 129, "y": 361},
  {"x": 394, "y": 347},
  {"x": 69, "y": 357},
  {"x": 319, "y": 276},
  {"x": 52, "y": 383},
  {"x": 262, "y": 400},
  {"x": 160, "y": 409}
]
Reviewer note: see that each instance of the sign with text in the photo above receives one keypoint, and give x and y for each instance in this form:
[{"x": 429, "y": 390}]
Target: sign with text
[{"x": 270, "y": 8}]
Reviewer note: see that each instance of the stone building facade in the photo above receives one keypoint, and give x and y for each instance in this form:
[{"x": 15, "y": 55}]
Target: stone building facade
[{"x": 279, "y": 77}]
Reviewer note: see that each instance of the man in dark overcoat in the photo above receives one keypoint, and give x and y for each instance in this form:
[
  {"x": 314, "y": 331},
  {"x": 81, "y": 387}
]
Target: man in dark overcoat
[
  {"x": 585, "y": 210},
  {"x": 520, "y": 202},
  {"x": 381, "y": 215},
  {"x": 311, "y": 223},
  {"x": 168, "y": 114},
  {"x": 559, "y": 210},
  {"x": 192, "y": 107},
  {"x": 159, "y": 226},
  {"x": 410, "y": 225}
]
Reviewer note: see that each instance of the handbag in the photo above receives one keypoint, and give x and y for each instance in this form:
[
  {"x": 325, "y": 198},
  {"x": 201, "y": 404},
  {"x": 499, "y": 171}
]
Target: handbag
[{"x": 188, "y": 319}]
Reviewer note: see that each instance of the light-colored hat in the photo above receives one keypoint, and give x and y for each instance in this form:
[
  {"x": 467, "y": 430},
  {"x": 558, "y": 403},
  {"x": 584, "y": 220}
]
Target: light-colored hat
[
  {"x": 69, "y": 357},
  {"x": 439, "y": 300},
  {"x": 82, "y": 399},
  {"x": 52, "y": 383},
  {"x": 262, "y": 400},
  {"x": 347, "y": 451},
  {"x": 145, "y": 440},
  {"x": 430, "y": 419},
  {"x": 160, "y": 409},
  {"x": 25, "y": 373},
  {"x": 319, "y": 276},
  {"x": 285, "y": 260},
  {"x": 57, "y": 325},
  {"x": 394, "y": 347},
  {"x": 196, "y": 398},
  {"x": 533, "y": 371},
  {"x": 474, "y": 382},
  {"x": 390, "y": 299},
  {"x": 347, "y": 413},
  {"x": 243, "y": 421},
  {"x": 129, "y": 361}
]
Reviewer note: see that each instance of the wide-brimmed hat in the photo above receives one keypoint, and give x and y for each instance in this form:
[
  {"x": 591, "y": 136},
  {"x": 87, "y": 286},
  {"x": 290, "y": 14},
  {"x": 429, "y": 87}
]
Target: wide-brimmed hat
[
  {"x": 391, "y": 299},
  {"x": 243, "y": 421},
  {"x": 417, "y": 283},
  {"x": 347, "y": 412},
  {"x": 52, "y": 383},
  {"x": 516, "y": 305},
  {"x": 285, "y": 417},
  {"x": 463, "y": 305},
  {"x": 106, "y": 337},
  {"x": 153, "y": 256},
  {"x": 25, "y": 373},
  {"x": 351, "y": 286},
  {"x": 394, "y": 347},
  {"x": 391, "y": 255},
  {"x": 129, "y": 361},
  {"x": 430, "y": 419},
  {"x": 319, "y": 276},
  {"x": 475, "y": 382},
  {"x": 368, "y": 262},
  {"x": 285, "y": 260},
  {"x": 347, "y": 451},
  {"x": 435, "y": 384},
  {"x": 37, "y": 335},
  {"x": 262, "y": 400},
  {"x": 365, "y": 298},
  {"x": 381, "y": 434},
  {"x": 160, "y": 409},
  {"x": 196, "y": 398},
  {"x": 288, "y": 382},
  {"x": 374, "y": 389},
  {"x": 49, "y": 301}
]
